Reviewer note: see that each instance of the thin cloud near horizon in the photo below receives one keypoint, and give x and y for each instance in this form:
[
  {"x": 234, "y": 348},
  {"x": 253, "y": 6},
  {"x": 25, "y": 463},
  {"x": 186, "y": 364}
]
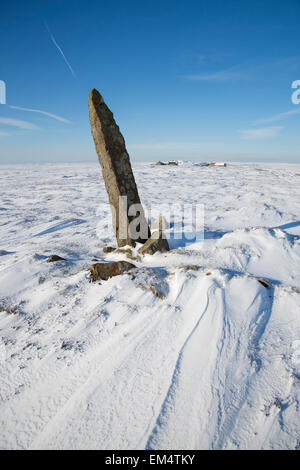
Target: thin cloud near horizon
[
  {"x": 18, "y": 123},
  {"x": 278, "y": 117},
  {"x": 4, "y": 134},
  {"x": 262, "y": 133},
  {"x": 242, "y": 70},
  {"x": 227, "y": 74}
]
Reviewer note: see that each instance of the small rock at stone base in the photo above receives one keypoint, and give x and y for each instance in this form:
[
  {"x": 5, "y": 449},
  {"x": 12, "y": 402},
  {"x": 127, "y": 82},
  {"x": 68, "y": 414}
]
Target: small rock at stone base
[{"x": 157, "y": 242}]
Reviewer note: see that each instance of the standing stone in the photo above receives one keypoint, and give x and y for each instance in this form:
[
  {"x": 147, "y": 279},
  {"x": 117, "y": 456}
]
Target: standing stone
[{"x": 117, "y": 172}]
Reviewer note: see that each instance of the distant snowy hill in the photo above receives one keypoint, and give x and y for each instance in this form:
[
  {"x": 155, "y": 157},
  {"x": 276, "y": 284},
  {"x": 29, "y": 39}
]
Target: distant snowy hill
[{"x": 211, "y": 362}]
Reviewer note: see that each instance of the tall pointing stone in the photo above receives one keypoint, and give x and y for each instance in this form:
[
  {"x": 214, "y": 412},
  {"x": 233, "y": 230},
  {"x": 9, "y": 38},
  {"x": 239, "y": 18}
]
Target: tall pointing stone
[{"x": 117, "y": 173}]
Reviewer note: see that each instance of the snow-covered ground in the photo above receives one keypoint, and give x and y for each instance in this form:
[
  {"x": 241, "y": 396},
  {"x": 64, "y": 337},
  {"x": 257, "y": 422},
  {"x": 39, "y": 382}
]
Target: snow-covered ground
[{"x": 212, "y": 362}]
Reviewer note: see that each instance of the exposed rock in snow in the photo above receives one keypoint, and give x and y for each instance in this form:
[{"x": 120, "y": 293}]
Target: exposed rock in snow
[
  {"x": 53, "y": 258},
  {"x": 106, "y": 270}
]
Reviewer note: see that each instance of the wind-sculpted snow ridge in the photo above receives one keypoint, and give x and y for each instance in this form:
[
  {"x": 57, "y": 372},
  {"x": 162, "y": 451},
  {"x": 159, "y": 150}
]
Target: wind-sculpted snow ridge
[{"x": 189, "y": 351}]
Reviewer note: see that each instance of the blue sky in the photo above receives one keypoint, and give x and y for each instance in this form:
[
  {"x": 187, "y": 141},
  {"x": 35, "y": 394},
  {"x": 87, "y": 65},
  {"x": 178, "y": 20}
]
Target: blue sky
[{"x": 196, "y": 80}]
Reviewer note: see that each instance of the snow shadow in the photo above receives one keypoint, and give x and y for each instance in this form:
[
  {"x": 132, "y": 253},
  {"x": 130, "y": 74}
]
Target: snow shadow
[
  {"x": 260, "y": 325},
  {"x": 214, "y": 235},
  {"x": 287, "y": 226},
  {"x": 4, "y": 252},
  {"x": 61, "y": 226},
  {"x": 180, "y": 239}
]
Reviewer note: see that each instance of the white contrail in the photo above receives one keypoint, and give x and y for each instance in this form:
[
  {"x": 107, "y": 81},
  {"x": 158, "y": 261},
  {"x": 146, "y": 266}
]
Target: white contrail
[
  {"x": 60, "y": 50},
  {"x": 54, "y": 116}
]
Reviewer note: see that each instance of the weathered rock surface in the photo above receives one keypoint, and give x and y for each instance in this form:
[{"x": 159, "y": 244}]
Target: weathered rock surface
[
  {"x": 117, "y": 172},
  {"x": 157, "y": 242},
  {"x": 106, "y": 270}
]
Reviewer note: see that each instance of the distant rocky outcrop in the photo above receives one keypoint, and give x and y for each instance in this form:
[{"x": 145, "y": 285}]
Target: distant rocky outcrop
[
  {"x": 218, "y": 164},
  {"x": 172, "y": 163}
]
